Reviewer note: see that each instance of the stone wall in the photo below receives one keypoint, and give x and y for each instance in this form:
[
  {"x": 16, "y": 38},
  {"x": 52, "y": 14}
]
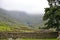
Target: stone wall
[{"x": 27, "y": 35}]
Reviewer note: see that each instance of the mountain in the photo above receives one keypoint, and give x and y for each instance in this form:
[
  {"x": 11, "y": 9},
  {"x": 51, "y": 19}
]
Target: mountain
[
  {"x": 21, "y": 18},
  {"x": 7, "y": 23}
]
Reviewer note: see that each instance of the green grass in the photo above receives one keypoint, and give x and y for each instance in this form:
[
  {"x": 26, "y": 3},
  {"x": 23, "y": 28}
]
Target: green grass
[
  {"x": 31, "y": 39},
  {"x": 36, "y": 39},
  {"x": 4, "y": 28}
]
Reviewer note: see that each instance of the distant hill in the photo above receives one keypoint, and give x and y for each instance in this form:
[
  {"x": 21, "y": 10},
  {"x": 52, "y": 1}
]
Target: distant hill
[
  {"x": 7, "y": 23},
  {"x": 13, "y": 18}
]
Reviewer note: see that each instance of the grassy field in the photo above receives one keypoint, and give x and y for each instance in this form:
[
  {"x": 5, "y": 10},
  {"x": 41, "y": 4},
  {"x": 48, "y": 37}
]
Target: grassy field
[
  {"x": 37, "y": 39},
  {"x": 30, "y": 39}
]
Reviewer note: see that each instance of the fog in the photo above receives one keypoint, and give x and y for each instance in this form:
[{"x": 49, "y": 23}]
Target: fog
[{"x": 29, "y": 6}]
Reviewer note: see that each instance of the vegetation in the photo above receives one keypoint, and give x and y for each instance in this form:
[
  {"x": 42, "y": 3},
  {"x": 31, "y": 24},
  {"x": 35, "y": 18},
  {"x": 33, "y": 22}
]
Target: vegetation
[
  {"x": 32, "y": 39},
  {"x": 38, "y": 39},
  {"x": 7, "y": 23},
  {"x": 7, "y": 28},
  {"x": 52, "y": 17}
]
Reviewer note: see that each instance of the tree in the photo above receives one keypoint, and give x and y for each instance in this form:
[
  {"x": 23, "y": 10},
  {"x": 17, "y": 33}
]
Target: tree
[{"x": 52, "y": 16}]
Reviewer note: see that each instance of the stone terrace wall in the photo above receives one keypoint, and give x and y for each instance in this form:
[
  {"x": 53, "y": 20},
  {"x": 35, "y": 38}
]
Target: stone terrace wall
[{"x": 27, "y": 35}]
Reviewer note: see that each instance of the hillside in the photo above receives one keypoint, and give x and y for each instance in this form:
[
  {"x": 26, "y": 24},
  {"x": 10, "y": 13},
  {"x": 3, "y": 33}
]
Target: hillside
[
  {"x": 19, "y": 19},
  {"x": 7, "y": 23},
  {"x": 26, "y": 19}
]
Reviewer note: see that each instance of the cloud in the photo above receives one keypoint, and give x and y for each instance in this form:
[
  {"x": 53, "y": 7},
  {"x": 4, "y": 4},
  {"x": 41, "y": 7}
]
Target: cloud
[{"x": 29, "y": 6}]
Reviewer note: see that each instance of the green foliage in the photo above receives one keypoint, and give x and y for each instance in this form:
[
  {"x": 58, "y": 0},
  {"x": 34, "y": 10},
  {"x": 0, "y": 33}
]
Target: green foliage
[{"x": 52, "y": 15}]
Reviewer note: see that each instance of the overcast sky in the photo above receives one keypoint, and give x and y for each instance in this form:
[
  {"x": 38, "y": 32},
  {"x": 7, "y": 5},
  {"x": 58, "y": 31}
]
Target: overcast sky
[{"x": 30, "y": 6}]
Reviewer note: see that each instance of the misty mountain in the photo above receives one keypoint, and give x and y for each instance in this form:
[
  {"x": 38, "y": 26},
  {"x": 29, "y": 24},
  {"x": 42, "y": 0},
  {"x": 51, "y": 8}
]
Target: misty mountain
[
  {"x": 20, "y": 17},
  {"x": 8, "y": 23}
]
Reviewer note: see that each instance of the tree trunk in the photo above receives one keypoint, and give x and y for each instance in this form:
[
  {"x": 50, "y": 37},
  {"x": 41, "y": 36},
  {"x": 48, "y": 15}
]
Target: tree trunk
[{"x": 58, "y": 29}]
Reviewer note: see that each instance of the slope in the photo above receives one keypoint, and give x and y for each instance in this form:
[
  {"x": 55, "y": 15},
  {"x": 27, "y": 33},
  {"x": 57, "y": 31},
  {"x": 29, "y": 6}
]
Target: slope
[{"x": 9, "y": 24}]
